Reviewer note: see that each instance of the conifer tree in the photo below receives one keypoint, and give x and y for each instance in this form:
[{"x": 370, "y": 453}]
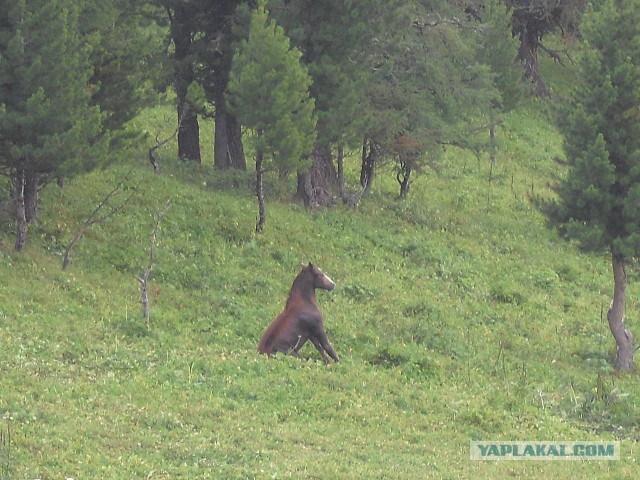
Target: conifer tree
[
  {"x": 126, "y": 52},
  {"x": 48, "y": 125},
  {"x": 600, "y": 198},
  {"x": 341, "y": 43},
  {"x": 497, "y": 49},
  {"x": 269, "y": 93},
  {"x": 532, "y": 20}
]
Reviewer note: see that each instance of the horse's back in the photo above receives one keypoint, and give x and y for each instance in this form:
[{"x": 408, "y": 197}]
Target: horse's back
[
  {"x": 286, "y": 330},
  {"x": 272, "y": 333}
]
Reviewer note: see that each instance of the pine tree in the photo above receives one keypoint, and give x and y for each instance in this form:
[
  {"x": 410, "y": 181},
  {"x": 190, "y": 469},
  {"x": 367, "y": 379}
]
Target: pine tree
[
  {"x": 342, "y": 45},
  {"x": 46, "y": 120},
  {"x": 599, "y": 199},
  {"x": 269, "y": 93},
  {"x": 497, "y": 49},
  {"x": 126, "y": 52},
  {"x": 532, "y": 20}
]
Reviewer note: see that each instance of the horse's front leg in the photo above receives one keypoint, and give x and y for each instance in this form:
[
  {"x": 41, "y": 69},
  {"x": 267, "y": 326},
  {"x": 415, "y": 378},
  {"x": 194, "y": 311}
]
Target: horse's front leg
[
  {"x": 317, "y": 343},
  {"x": 323, "y": 344}
]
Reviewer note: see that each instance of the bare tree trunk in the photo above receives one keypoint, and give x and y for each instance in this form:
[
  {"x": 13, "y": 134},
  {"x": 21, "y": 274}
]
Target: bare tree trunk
[
  {"x": 228, "y": 151},
  {"x": 404, "y": 178},
  {"x": 368, "y": 168},
  {"x": 493, "y": 146},
  {"x": 314, "y": 185},
  {"x": 31, "y": 184},
  {"x": 615, "y": 316},
  {"x": 188, "y": 128},
  {"x": 21, "y": 218},
  {"x": 341, "y": 183},
  {"x": 262, "y": 211},
  {"x": 188, "y": 133},
  {"x": 528, "y": 56}
]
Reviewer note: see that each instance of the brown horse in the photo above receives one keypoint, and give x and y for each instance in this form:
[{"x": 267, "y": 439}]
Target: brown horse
[{"x": 301, "y": 319}]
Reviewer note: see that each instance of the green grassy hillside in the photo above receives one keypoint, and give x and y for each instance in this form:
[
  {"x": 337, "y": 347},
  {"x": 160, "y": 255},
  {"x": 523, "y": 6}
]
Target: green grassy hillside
[{"x": 458, "y": 316}]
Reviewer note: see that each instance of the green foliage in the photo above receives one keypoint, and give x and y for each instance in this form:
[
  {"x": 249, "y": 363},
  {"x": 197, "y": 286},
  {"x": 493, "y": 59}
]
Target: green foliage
[
  {"x": 343, "y": 43},
  {"x": 5, "y": 452},
  {"x": 127, "y": 53},
  {"x": 457, "y": 317},
  {"x": 599, "y": 196},
  {"x": 498, "y": 49},
  {"x": 269, "y": 93},
  {"x": 44, "y": 75},
  {"x": 452, "y": 95}
]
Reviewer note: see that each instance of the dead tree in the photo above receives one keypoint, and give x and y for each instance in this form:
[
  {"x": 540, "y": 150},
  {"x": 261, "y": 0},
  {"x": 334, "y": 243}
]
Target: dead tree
[
  {"x": 152, "y": 150},
  {"x": 144, "y": 278}
]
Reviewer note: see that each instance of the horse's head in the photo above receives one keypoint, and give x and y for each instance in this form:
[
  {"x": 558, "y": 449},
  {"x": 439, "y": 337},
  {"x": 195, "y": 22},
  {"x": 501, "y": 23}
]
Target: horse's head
[{"x": 319, "y": 278}]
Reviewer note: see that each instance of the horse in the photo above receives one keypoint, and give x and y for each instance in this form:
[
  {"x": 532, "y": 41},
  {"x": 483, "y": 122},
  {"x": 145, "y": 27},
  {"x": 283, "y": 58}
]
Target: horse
[{"x": 301, "y": 319}]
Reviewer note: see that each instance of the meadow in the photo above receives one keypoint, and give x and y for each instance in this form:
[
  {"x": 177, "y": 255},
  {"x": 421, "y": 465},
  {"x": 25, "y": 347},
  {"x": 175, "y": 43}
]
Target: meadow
[{"x": 458, "y": 316}]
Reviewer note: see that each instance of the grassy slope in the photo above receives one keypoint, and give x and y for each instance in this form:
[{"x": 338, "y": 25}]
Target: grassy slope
[{"x": 458, "y": 316}]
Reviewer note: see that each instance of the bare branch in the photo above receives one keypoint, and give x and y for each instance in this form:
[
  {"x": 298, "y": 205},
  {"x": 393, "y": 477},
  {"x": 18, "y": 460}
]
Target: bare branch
[
  {"x": 437, "y": 20},
  {"x": 95, "y": 218},
  {"x": 152, "y": 150},
  {"x": 556, "y": 55}
]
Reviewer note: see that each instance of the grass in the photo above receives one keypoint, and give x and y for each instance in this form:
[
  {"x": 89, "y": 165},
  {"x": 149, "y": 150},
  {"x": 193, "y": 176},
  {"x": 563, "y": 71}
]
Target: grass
[{"x": 458, "y": 316}]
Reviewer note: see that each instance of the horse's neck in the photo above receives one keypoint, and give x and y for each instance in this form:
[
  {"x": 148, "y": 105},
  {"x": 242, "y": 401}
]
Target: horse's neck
[{"x": 301, "y": 289}]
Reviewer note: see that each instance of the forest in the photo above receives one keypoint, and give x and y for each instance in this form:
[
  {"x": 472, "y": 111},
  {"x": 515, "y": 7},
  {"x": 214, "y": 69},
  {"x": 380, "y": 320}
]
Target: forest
[{"x": 467, "y": 172}]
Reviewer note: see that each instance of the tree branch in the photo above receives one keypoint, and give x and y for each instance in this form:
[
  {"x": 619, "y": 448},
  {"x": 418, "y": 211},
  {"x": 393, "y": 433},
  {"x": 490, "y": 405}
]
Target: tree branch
[
  {"x": 438, "y": 20},
  {"x": 152, "y": 150},
  {"x": 95, "y": 218},
  {"x": 555, "y": 54}
]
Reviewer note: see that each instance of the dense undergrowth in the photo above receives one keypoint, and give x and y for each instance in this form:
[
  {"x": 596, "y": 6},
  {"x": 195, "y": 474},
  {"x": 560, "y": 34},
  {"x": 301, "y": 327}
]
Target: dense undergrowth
[{"x": 458, "y": 316}]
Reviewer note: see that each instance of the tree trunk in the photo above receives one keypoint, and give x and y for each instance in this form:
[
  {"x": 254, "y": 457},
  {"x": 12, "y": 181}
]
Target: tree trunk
[
  {"x": 314, "y": 185},
  {"x": 493, "y": 146},
  {"x": 262, "y": 210},
  {"x": 188, "y": 128},
  {"x": 615, "y": 316},
  {"x": 368, "y": 168},
  {"x": 188, "y": 133},
  {"x": 341, "y": 182},
  {"x": 404, "y": 178},
  {"x": 31, "y": 183},
  {"x": 528, "y": 56},
  {"x": 19, "y": 182},
  {"x": 227, "y": 149}
]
